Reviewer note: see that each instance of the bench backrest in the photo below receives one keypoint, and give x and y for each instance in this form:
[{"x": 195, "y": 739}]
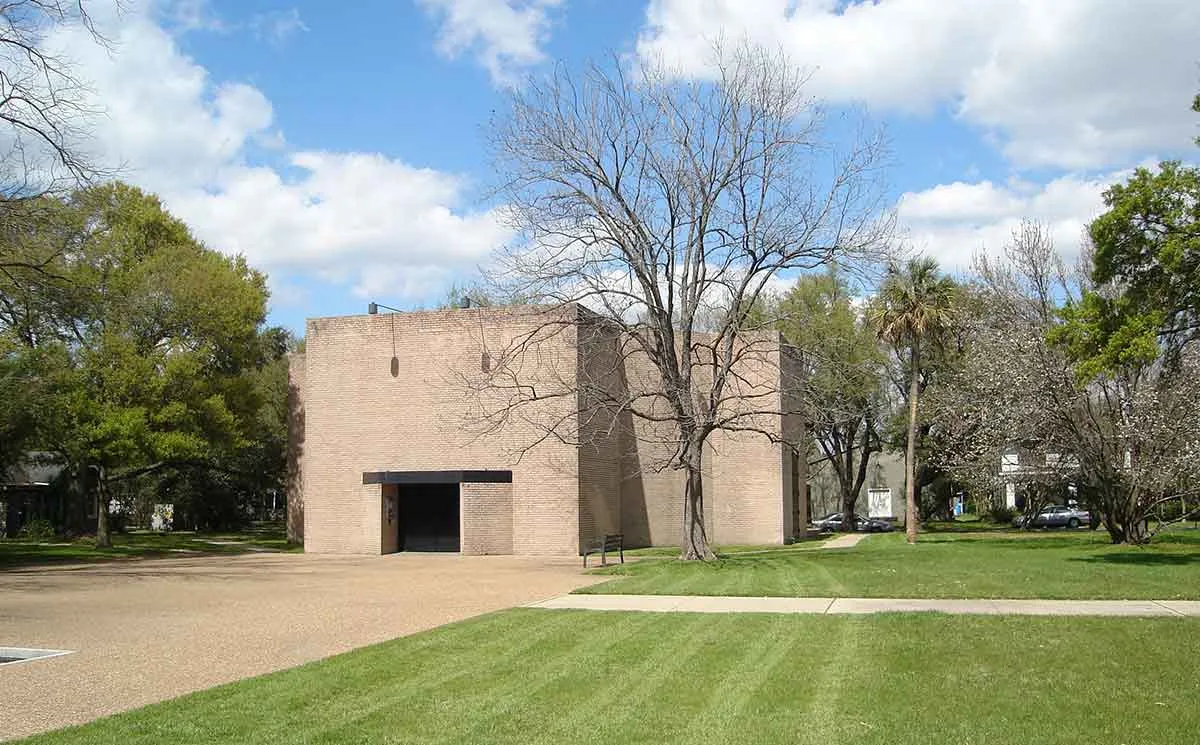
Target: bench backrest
[{"x": 613, "y": 541}]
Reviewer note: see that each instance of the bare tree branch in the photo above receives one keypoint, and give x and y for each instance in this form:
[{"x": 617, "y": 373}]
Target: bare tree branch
[{"x": 653, "y": 214}]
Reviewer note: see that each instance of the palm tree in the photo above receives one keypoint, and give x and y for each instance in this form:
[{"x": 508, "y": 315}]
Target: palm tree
[{"x": 915, "y": 306}]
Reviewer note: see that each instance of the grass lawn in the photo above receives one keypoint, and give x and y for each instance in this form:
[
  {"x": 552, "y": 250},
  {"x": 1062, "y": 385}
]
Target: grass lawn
[
  {"x": 529, "y": 677},
  {"x": 971, "y": 564},
  {"x": 143, "y": 544}
]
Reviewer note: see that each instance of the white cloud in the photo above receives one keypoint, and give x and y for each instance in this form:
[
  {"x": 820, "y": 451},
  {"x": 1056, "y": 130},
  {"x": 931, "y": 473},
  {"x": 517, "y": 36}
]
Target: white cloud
[
  {"x": 505, "y": 36},
  {"x": 191, "y": 15},
  {"x": 1076, "y": 84},
  {"x": 351, "y": 217},
  {"x": 278, "y": 26},
  {"x": 373, "y": 223},
  {"x": 185, "y": 16},
  {"x": 952, "y": 222}
]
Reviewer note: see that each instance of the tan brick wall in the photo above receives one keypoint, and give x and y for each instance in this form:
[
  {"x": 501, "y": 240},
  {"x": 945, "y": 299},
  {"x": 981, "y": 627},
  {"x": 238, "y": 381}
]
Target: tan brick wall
[
  {"x": 795, "y": 473},
  {"x": 486, "y": 518},
  {"x": 602, "y": 474},
  {"x": 652, "y": 491},
  {"x": 747, "y": 479},
  {"x": 748, "y": 468},
  {"x": 359, "y": 417},
  {"x": 600, "y": 380}
]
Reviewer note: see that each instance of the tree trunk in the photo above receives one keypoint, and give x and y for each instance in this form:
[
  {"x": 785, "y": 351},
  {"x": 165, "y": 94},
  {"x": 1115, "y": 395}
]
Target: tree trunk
[
  {"x": 856, "y": 476},
  {"x": 694, "y": 541},
  {"x": 1132, "y": 529},
  {"x": 845, "y": 472},
  {"x": 103, "y": 538},
  {"x": 1124, "y": 518},
  {"x": 849, "y": 505},
  {"x": 910, "y": 455},
  {"x": 77, "y": 495}
]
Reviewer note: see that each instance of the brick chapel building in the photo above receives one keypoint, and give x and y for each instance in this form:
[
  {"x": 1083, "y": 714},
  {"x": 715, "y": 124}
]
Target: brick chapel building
[{"x": 389, "y": 449}]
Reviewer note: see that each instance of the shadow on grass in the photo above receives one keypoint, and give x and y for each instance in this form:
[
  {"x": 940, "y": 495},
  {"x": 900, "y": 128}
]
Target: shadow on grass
[
  {"x": 1021, "y": 540},
  {"x": 49, "y": 577},
  {"x": 1181, "y": 537},
  {"x": 976, "y": 526},
  {"x": 1144, "y": 558},
  {"x": 137, "y": 545}
]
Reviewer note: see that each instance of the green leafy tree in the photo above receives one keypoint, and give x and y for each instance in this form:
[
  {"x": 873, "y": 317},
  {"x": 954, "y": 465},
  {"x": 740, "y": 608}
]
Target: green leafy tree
[
  {"x": 842, "y": 379},
  {"x": 1145, "y": 304},
  {"x": 940, "y": 361},
  {"x": 143, "y": 343},
  {"x": 915, "y": 307}
]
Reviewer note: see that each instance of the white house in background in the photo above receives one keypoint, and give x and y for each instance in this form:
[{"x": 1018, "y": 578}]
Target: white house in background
[{"x": 1021, "y": 466}]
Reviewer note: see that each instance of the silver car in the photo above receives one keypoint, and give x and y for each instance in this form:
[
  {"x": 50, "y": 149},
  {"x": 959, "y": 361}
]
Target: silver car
[
  {"x": 833, "y": 522},
  {"x": 1055, "y": 516}
]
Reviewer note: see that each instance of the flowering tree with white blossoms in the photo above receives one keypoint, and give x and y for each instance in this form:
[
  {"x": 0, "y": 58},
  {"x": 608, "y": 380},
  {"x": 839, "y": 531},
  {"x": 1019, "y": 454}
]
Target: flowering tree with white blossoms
[{"x": 1128, "y": 437}]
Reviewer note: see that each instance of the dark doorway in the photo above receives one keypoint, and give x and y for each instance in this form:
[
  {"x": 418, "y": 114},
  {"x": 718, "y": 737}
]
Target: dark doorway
[{"x": 429, "y": 517}]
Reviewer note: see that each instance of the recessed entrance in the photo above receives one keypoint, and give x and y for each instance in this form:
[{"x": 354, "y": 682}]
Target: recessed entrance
[
  {"x": 422, "y": 510},
  {"x": 428, "y": 517}
]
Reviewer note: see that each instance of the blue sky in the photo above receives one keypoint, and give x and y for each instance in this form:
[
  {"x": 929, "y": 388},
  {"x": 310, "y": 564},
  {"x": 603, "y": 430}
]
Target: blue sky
[{"x": 341, "y": 150}]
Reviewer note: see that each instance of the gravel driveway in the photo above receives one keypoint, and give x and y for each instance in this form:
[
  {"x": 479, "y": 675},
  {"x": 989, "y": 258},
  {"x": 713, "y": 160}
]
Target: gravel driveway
[{"x": 149, "y": 630}]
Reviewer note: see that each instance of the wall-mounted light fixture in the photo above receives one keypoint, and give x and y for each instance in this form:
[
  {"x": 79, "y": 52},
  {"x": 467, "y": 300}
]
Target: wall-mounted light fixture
[{"x": 373, "y": 309}]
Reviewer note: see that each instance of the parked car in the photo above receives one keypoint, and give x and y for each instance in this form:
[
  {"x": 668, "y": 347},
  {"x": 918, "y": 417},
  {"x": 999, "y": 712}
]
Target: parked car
[
  {"x": 833, "y": 521},
  {"x": 875, "y": 525},
  {"x": 1054, "y": 516}
]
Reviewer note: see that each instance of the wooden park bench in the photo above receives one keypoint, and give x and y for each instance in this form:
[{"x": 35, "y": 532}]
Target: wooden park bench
[{"x": 610, "y": 542}]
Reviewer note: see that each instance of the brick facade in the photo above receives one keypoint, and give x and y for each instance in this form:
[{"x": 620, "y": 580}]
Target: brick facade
[
  {"x": 487, "y": 517},
  {"x": 394, "y": 393}
]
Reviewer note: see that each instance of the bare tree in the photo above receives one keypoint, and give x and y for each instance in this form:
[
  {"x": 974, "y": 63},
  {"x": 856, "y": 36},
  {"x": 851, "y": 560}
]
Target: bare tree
[
  {"x": 43, "y": 101},
  {"x": 667, "y": 207},
  {"x": 45, "y": 119}
]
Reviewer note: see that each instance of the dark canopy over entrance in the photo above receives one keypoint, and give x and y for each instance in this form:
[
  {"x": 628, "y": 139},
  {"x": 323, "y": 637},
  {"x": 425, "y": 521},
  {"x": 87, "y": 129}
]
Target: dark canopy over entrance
[{"x": 437, "y": 477}]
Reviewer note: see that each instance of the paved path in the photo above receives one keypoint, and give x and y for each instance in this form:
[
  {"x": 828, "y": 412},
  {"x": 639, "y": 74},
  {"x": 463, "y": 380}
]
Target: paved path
[
  {"x": 849, "y": 540},
  {"x": 853, "y": 606},
  {"x": 144, "y": 631}
]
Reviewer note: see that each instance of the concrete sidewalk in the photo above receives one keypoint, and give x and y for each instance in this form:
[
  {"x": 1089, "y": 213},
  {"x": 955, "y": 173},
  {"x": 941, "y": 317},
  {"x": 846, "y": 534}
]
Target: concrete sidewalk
[
  {"x": 856, "y": 606},
  {"x": 849, "y": 540}
]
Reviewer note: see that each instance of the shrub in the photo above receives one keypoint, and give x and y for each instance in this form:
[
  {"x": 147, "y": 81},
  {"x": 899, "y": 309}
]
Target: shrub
[
  {"x": 1172, "y": 510},
  {"x": 37, "y": 530},
  {"x": 1001, "y": 514}
]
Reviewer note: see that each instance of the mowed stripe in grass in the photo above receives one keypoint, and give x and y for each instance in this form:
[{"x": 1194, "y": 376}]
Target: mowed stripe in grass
[
  {"x": 536, "y": 676},
  {"x": 1058, "y": 565}
]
